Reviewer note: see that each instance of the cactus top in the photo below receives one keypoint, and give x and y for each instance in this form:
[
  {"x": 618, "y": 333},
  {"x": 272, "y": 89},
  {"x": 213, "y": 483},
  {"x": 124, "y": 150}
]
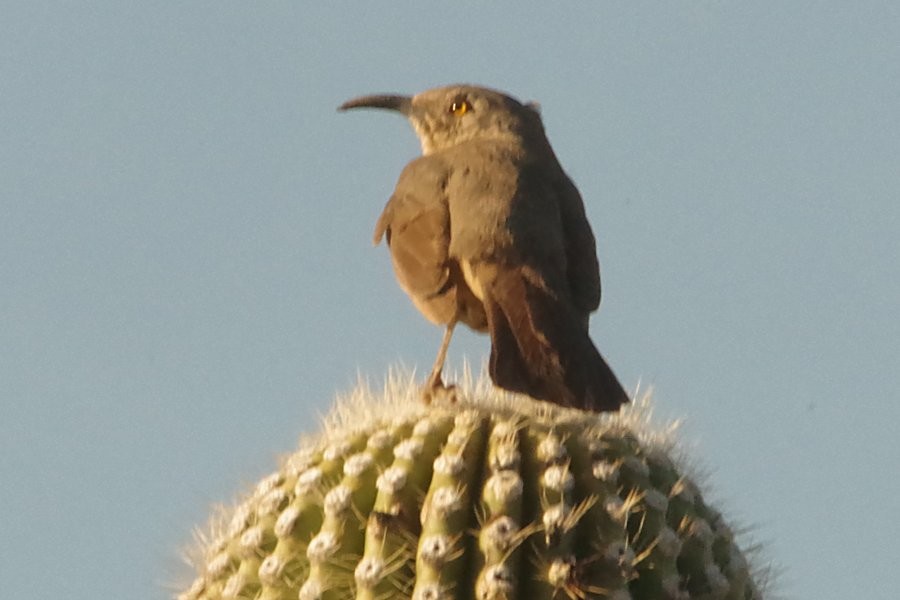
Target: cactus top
[{"x": 498, "y": 498}]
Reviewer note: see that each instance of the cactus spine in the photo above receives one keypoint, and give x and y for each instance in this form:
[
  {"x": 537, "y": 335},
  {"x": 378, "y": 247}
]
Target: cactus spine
[{"x": 497, "y": 498}]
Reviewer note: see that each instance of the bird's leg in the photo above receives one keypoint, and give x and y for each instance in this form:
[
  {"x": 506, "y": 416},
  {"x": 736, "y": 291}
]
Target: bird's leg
[{"x": 435, "y": 385}]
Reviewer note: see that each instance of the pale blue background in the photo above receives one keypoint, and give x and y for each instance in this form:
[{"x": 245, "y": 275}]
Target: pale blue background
[{"x": 186, "y": 275}]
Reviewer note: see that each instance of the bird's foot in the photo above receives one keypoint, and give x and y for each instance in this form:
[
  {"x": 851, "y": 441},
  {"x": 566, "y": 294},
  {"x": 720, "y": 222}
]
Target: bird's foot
[{"x": 438, "y": 391}]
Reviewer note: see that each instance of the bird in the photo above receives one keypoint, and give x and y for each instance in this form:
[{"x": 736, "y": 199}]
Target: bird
[{"x": 485, "y": 228}]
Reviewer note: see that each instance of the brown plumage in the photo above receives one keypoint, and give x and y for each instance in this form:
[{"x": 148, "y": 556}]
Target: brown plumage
[{"x": 487, "y": 229}]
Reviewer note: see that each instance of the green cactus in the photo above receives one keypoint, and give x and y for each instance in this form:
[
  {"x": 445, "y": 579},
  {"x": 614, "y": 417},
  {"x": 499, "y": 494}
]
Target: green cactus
[{"x": 497, "y": 497}]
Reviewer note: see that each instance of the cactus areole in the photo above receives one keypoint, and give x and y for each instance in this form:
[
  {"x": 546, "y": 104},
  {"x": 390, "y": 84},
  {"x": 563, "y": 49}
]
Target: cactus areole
[{"x": 497, "y": 497}]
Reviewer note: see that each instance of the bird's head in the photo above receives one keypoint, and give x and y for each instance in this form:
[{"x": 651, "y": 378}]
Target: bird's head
[{"x": 447, "y": 116}]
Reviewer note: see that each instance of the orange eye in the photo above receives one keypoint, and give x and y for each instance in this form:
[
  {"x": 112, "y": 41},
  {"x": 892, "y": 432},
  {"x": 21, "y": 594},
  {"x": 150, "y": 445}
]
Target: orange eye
[{"x": 460, "y": 106}]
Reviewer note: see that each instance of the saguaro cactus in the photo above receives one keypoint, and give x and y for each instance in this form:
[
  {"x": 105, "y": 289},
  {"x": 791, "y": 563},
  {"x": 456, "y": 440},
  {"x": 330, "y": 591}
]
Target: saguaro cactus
[{"x": 496, "y": 497}]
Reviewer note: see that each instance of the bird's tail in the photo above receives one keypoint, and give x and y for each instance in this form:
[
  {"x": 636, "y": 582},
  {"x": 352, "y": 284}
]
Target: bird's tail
[{"x": 540, "y": 346}]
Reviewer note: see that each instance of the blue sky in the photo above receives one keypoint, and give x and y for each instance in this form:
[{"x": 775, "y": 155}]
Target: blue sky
[{"x": 187, "y": 277}]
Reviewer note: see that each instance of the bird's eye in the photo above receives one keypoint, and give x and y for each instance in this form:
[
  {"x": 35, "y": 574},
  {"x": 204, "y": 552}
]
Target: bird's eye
[{"x": 460, "y": 106}]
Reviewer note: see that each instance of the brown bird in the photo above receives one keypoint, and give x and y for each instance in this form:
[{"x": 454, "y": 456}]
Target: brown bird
[{"x": 485, "y": 228}]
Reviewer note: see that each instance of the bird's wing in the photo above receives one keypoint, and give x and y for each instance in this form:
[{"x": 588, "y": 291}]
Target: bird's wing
[
  {"x": 524, "y": 244},
  {"x": 582, "y": 268},
  {"x": 416, "y": 223}
]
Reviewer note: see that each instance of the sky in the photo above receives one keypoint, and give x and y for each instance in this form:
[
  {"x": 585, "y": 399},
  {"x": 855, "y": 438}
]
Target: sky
[{"x": 187, "y": 277}]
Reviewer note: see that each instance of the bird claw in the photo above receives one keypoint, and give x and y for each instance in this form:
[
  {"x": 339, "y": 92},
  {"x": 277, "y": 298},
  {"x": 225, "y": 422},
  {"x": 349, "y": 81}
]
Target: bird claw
[{"x": 438, "y": 391}]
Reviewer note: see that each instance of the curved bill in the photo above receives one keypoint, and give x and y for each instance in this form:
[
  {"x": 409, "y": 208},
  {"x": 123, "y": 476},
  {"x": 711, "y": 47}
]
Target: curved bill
[{"x": 401, "y": 104}]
